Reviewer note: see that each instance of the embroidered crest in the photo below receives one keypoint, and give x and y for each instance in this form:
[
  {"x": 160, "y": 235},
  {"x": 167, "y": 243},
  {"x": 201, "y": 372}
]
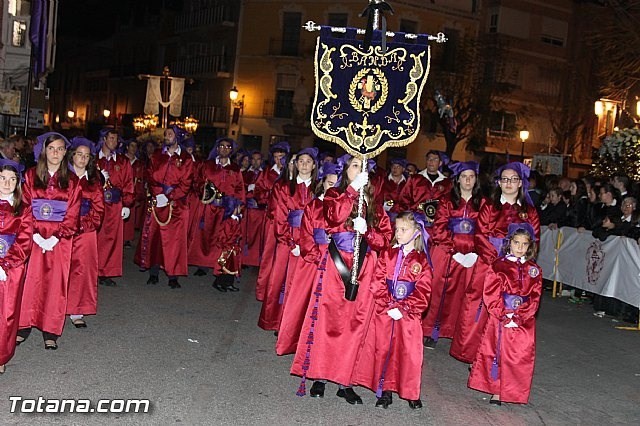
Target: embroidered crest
[
  {"x": 416, "y": 268},
  {"x": 117, "y": 168},
  {"x": 108, "y": 196},
  {"x": 595, "y": 261},
  {"x": 4, "y": 246},
  {"x": 517, "y": 300},
  {"x": 523, "y": 215},
  {"x": 178, "y": 162},
  {"x": 534, "y": 272},
  {"x": 440, "y": 188},
  {"x": 401, "y": 291},
  {"x": 46, "y": 211},
  {"x": 465, "y": 226}
]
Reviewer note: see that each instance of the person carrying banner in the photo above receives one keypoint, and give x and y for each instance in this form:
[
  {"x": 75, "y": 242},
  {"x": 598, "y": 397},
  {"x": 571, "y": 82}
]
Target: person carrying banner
[
  {"x": 54, "y": 193},
  {"x": 163, "y": 240},
  {"x": 16, "y": 231},
  {"x": 118, "y": 187}
]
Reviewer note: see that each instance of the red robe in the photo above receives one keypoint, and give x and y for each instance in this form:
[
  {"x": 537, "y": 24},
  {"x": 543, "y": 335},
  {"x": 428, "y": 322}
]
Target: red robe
[
  {"x": 212, "y": 234},
  {"x": 163, "y": 240},
  {"x": 390, "y": 194},
  {"x": 44, "y": 300},
  {"x": 512, "y": 376},
  {"x": 492, "y": 222},
  {"x": 137, "y": 210},
  {"x": 82, "y": 295},
  {"x": 252, "y": 222},
  {"x": 262, "y": 194},
  {"x": 110, "y": 238},
  {"x": 445, "y": 302},
  {"x": 419, "y": 189},
  {"x": 12, "y": 260},
  {"x": 339, "y": 326},
  {"x": 400, "y": 340},
  {"x": 284, "y": 262},
  {"x": 298, "y": 293}
]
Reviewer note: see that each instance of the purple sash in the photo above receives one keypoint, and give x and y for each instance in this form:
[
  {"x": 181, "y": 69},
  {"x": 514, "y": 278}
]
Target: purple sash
[
  {"x": 85, "y": 206},
  {"x": 295, "y": 218},
  {"x": 462, "y": 225},
  {"x": 344, "y": 241},
  {"x": 166, "y": 189},
  {"x": 49, "y": 210},
  {"x": 252, "y": 203},
  {"x": 513, "y": 301},
  {"x": 229, "y": 203},
  {"x": 112, "y": 195},
  {"x": 497, "y": 243},
  {"x": 401, "y": 289},
  {"x": 320, "y": 236},
  {"x": 6, "y": 241}
]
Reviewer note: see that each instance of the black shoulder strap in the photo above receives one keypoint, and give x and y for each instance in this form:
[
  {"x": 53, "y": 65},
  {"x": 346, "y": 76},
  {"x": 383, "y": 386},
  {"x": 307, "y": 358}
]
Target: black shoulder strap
[{"x": 341, "y": 266}]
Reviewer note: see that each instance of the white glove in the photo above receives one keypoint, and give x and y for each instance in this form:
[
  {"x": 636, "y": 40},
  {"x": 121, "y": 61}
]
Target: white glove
[
  {"x": 251, "y": 187},
  {"x": 236, "y": 217},
  {"x": 105, "y": 174},
  {"x": 3, "y": 274},
  {"x": 509, "y": 315},
  {"x": 161, "y": 200},
  {"x": 37, "y": 238},
  {"x": 394, "y": 313},
  {"x": 50, "y": 243},
  {"x": 387, "y": 207},
  {"x": 466, "y": 260},
  {"x": 125, "y": 212},
  {"x": 296, "y": 250},
  {"x": 360, "y": 225},
  {"x": 361, "y": 180},
  {"x": 511, "y": 324}
]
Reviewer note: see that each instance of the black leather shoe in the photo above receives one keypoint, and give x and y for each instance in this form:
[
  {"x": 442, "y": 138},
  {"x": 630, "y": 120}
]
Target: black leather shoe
[
  {"x": 415, "y": 404},
  {"x": 317, "y": 390},
  {"x": 216, "y": 284},
  {"x": 173, "y": 283},
  {"x": 153, "y": 279},
  {"x": 349, "y": 395},
  {"x": 232, "y": 288},
  {"x": 385, "y": 400},
  {"x": 495, "y": 401},
  {"x": 429, "y": 343},
  {"x": 108, "y": 282},
  {"x": 50, "y": 345},
  {"x": 200, "y": 272}
]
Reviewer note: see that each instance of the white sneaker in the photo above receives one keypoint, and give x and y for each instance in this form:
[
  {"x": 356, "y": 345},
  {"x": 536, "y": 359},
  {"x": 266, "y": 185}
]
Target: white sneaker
[{"x": 599, "y": 314}]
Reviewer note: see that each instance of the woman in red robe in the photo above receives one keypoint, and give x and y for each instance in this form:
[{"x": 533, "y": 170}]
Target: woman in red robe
[
  {"x": 510, "y": 204},
  {"x": 16, "y": 229},
  {"x": 54, "y": 193},
  {"x": 453, "y": 251},
  {"x": 391, "y": 359},
  {"x": 331, "y": 338},
  {"x": 505, "y": 361},
  {"x": 289, "y": 200},
  {"x": 313, "y": 248},
  {"x": 262, "y": 196},
  {"x": 82, "y": 296}
]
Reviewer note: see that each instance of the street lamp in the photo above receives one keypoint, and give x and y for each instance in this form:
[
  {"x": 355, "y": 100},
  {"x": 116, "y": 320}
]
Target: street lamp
[
  {"x": 106, "y": 113},
  {"x": 237, "y": 106},
  {"x": 524, "y": 135},
  {"x": 71, "y": 114}
]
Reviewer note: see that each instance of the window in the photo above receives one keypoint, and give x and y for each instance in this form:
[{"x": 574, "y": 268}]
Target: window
[
  {"x": 407, "y": 26},
  {"x": 502, "y": 124},
  {"x": 292, "y": 24},
  {"x": 493, "y": 23},
  {"x": 338, "y": 19},
  {"x": 553, "y": 41},
  {"x": 285, "y": 88},
  {"x": 19, "y": 34}
]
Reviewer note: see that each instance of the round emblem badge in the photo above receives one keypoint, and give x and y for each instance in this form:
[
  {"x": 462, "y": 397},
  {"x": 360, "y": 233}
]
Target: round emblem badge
[
  {"x": 401, "y": 291},
  {"x": 440, "y": 188},
  {"x": 416, "y": 268},
  {"x": 534, "y": 272},
  {"x": 117, "y": 168},
  {"x": 517, "y": 301},
  {"x": 368, "y": 90},
  {"x": 465, "y": 225},
  {"x": 3, "y": 247},
  {"x": 523, "y": 215},
  {"x": 431, "y": 211},
  {"x": 46, "y": 211},
  {"x": 107, "y": 195}
]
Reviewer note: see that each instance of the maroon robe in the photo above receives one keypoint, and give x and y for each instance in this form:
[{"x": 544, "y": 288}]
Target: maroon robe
[
  {"x": 252, "y": 222},
  {"x": 262, "y": 195},
  {"x": 82, "y": 298},
  {"x": 492, "y": 222},
  {"x": 400, "y": 341},
  {"x": 12, "y": 260},
  {"x": 110, "y": 238},
  {"x": 137, "y": 210},
  {"x": 419, "y": 189},
  {"x": 163, "y": 240},
  {"x": 340, "y": 325},
  {"x": 44, "y": 300},
  {"x": 513, "y": 350},
  {"x": 390, "y": 194}
]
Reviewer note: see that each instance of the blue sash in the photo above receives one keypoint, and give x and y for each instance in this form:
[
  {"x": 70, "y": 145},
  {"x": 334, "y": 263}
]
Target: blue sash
[
  {"x": 401, "y": 289},
  {"x": 6, "y": 241},
  {"x": 295, "y": 218},
  {"x": 49, "y": 210}
]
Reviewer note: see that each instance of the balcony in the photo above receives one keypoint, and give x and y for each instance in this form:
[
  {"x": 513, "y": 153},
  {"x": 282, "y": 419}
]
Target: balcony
[
  {"x": 215, "y": 65},
  {"x": 208, "y": 115}
]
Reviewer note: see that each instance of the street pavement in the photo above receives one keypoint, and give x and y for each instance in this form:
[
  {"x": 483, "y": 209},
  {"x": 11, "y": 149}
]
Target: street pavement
[{"x": 199, "y": 357}]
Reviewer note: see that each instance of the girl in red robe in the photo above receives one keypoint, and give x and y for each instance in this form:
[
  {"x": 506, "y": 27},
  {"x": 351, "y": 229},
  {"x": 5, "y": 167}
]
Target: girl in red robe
[
  {"x": 289, "y": 200},
  {"x": 16, "y": 228},
  {"x": 338, "y": 325},
  {"x": 510, "y": 204},
  {"x": 391, "y": 359},
  {"x": 504, "y": 363},
  {"x": 453, "y": 251},
  {"x": 54, "y": 193},
  {"x": 82, "y": 296}
]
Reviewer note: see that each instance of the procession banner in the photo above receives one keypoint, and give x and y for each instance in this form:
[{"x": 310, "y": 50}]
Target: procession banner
[
  {"x": 368, "y": 100},
  {"x": 610, "y": 268}
]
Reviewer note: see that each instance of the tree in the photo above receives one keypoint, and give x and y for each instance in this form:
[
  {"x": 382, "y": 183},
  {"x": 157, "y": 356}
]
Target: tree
[{"x": 619, "y": 155}]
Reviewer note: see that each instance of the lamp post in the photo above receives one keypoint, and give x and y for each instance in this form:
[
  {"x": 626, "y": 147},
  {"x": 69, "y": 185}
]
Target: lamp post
[
  {"x": 524, "y": 135},
  {"x": 237, "y": 107},
  {"x": 106, "y": 113}
]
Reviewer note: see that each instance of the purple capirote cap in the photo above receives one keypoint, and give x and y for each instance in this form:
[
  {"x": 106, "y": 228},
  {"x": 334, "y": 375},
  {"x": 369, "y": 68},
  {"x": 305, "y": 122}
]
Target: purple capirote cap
[
  {"x": 523, "y": 172},
  {"x": 399, "y": 161},
  {"x": 461, "y": 166},
  {"x": 329, "y": 169},
  {"x": 19, "y": 168},
  {"x": 180, "y": 133},
  {"x": 280, "y": 146},
  {"x": 213, "y": 154},
  {"x": 82, "y": 141},
  {"x": 37, "y": 149},
  {"x": 311, "y": 152},
  {"x": 189, "y": 143},
  {"x": 421, "y": 219},
  {"x": 525, "y": 226}
]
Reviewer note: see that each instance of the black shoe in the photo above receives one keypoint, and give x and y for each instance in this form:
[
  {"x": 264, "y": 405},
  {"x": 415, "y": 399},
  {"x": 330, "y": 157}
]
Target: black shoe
[
  {"x": 317, "y": 390},
  {"x": 127, "y": 244},
  {"x": 415, "y": 404},
  {"x": 107, "y": 282},
  {"x": 349, "y": 395},
  {"x": 495, "y": 401},
  {"x": 429, "y": 343},
  {"x": 232, "y": 288},
  {"x": 173, "y": 283},
  {"x": 385, "y": 400},
  {"x": 50, "y": 345},
  {"x": 200, "y": 273},
  {"x": 216, "y": 284},
  {"x": 79, "y": 323},
  {"x": 153, "y": 279}
]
